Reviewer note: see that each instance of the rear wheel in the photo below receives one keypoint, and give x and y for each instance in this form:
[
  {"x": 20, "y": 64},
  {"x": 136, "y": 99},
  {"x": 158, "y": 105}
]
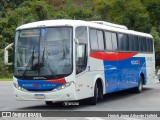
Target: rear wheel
[{"x": 139, "y": 88}]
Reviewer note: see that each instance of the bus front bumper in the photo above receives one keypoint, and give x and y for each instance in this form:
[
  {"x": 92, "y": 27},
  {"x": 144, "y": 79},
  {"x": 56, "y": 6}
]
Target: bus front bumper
[{"x": 66, "y": 94}]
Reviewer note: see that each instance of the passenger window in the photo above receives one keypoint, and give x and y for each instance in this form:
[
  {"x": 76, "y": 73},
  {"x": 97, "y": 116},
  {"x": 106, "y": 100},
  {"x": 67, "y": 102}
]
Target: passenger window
[
  {"x": 150, "y": 45},
  {"x": 126, "y": 43},
  {"x": 114, "y": 41},
  {"x": 100, "y": 40},
  {"x": 131, "y": 39},
  {"x": 136, "y": 43},
  {"x": 123, "y": 42},
  {"x": 120, "y": 42},
  {"x": 108, "y": 40},
  {"x": 141, "y": 44},
  {"x": 93, "y": 39},
  {"x": 144, "y": 45}
]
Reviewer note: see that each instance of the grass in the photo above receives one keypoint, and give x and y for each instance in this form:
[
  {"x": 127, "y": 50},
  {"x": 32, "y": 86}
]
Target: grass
[{"x": 6, "y": 79}]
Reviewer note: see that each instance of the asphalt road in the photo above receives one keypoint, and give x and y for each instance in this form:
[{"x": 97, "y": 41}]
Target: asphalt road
[{"x": 148, "y": 100}]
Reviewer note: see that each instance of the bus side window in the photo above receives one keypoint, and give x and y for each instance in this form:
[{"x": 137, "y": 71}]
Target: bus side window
[
  {"x": 136, "y": 43},
  {"x": 123, "y": 42},
  {"x": 150, "y": 45},
  {"x": 100, "y": 40},
  {"x": 114, "y": 41},
  {"x": 151, "y": 41},
  {"x": 93, "y": 39},
  {"x": 131, "y": 41},
  {"x": 144, "y": 44},
  {"x": 141, "y": 47},
  {"x": 81, "y": 54},
  {"x": 108, "y": 39},
  {"x": 120, "y": 42}
]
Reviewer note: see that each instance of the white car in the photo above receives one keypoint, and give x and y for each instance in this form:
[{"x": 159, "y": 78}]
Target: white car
[{"x": 158, "y": 75}]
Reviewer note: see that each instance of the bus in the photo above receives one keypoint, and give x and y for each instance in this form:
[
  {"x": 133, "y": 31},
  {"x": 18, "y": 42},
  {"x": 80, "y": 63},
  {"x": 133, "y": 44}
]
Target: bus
[{"x": 70, "y": 60}]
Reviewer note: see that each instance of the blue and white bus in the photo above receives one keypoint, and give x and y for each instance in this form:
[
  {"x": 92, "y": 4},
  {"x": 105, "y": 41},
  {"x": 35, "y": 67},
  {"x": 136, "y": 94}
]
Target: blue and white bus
[{"x": 67, "y": 60}]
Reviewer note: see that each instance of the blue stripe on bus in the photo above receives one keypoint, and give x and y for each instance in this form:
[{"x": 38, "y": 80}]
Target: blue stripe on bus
[
  {"x": 123, "y": 74},
  {"x": 38, "y": 84}
]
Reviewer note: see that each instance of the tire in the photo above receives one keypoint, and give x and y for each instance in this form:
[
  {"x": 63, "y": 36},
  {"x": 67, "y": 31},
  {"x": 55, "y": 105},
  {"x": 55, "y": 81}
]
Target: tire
[
  {"x": 93, "y": 100},
  {"x": 100, "y": 93},
  {"x": 139, "y": 88},
  {"x": 48, "y": 102}
]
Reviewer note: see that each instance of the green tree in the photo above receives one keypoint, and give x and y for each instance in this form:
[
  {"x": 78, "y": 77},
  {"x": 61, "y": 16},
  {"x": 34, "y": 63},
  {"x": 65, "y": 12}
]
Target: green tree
[
  {"x": 153, "y": 7},
  {"x": 156, "y": 37},
  {"x": 130, "y": 13}
]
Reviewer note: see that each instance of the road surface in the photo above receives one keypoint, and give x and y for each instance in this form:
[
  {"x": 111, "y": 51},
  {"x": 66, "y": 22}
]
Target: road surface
[{"x": 148, "y": 100}]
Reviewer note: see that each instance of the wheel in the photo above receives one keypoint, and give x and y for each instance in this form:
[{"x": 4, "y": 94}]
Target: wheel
[
  {"x": 48, "y": 102},
  {"x": 100, "y": 92},
  {"x": 139, "y": 88},
  {"x": 93, "y": 100}
]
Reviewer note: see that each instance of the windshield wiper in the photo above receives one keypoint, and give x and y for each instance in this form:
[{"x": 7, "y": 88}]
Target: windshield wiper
[
  {"x": 30, "y": 61},
  {"x": 48, "y": 66}
]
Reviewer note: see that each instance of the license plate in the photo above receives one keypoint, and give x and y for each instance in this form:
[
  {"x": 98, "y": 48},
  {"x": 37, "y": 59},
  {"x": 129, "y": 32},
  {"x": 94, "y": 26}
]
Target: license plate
[{"x": 39, "y": 96}]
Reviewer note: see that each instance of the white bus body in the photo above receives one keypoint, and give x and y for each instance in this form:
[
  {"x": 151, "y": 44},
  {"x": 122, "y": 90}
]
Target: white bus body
[{"x": 66, "y": 60}]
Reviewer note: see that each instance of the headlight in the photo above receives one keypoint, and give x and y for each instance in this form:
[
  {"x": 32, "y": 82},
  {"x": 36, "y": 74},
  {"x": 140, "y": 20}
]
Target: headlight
[
  {"x": 63, "y": 86},
  {"x": 19, "y": 87}
]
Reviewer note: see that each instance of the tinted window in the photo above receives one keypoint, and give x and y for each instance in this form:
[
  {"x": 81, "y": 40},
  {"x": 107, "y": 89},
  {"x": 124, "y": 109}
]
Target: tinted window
[
  {"x": 108, "y": 40},
  {"x": 100, "y": 40},
  {"x": 81, "y": 34},
  {"x": 126, "y": 43},
  {"x": 150, "y": 45},
  {"x": 123, "y": 42},
  {"x": 136, "y": 43},
  {"x": 93, "y": 39},
  {"x": 144, "y": 45},
  {"x": 131, "y": 39},
  {"x": 141, "y": 44},
  {"x": 114, "y": 41}
]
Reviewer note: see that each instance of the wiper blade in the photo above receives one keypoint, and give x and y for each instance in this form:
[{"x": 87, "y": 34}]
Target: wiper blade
[
  {"x": 30, "y": 61},
  {"x": 48, "y": 66}
]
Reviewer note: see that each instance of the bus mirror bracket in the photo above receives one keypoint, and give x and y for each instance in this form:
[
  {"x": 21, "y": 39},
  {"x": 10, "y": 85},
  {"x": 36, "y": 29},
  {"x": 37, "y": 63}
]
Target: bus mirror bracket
[
  {"x": 76, "y": 41},
  {"x": 6, "y": 54}
]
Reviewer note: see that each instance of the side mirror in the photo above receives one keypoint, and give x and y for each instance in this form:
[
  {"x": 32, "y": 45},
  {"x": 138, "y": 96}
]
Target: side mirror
[
  {"x": 6, "y": 61},
  {"x": 79, "y": 51}
]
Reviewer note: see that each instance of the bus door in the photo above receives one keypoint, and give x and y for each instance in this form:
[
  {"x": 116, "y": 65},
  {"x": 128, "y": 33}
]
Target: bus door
[{"x": 83, "y": 74}]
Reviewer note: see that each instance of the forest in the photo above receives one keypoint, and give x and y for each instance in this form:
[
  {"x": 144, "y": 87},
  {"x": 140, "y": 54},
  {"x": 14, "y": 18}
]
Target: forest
[{"x": 138, "y": 15}]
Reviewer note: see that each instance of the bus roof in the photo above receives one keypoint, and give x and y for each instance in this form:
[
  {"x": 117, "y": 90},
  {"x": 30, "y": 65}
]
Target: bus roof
[{"x": 93, "y": 24}]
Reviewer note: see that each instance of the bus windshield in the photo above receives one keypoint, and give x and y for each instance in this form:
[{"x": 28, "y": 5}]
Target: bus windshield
[{"x": 43, "y": 52}]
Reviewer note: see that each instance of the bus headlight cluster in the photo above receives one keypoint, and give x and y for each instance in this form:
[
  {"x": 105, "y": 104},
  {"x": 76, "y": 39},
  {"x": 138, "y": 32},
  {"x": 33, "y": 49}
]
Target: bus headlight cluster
[
  {"x": 19, "y": 87},
  {"x": 63, "y": 86}
]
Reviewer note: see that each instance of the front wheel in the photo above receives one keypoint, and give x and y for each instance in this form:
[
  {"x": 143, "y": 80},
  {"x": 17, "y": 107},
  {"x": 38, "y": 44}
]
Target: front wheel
[
  {"x": 139, "y": 88},
  {"x": 93, "y": 100}
]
